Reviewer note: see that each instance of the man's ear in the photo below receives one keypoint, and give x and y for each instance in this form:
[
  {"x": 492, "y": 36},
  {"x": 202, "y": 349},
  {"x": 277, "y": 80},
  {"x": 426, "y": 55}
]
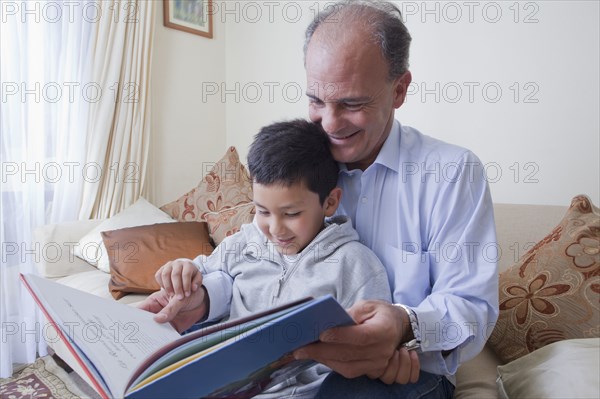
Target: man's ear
[
  {"x": 332, "y": 201},
  {"x": 401, "y": 87}
]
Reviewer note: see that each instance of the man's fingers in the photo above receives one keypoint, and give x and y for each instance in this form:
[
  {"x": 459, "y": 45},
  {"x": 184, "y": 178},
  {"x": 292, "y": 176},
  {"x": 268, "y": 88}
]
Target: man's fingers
[
  {"x": 404, "y": 369},
  {"x": 363, "y": 310},
  {"x": 359, "y": 335},
  {"x": 415, "y": 366},
  {"x": 353, "y": 369},
  {"x": 325, "y": 352},
  {"x": 169, "y": 311},
  {"x": 154, "y": 303},
  {"x": 389, "y": 375}
]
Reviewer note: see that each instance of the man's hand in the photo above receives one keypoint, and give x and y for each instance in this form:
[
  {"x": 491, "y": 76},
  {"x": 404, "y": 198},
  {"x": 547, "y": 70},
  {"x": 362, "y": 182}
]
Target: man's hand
[
  {"x": 369, "y": 348},
  {"x": 182, "y": 313}
]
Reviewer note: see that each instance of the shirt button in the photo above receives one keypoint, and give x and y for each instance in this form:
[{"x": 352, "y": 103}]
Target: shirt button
[{"x": 364, "y": 200}]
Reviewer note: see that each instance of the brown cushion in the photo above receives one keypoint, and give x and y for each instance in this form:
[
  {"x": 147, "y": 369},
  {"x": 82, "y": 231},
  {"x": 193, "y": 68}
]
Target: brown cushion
[
  {"x": 222, "y": 199},
  {"x": 553, "y": 292},
  {"x": 136, "y": 253}
]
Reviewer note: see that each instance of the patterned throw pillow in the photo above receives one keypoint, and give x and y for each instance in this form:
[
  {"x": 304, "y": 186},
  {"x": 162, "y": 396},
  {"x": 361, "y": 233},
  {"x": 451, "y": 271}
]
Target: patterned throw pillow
[
  {"x": 553, "y": 292},
  {"x": 223, "y": 199}
]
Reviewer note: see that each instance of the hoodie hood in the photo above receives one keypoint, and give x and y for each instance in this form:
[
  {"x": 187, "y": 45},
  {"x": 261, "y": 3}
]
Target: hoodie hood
[{"x": 337, "y": 232}]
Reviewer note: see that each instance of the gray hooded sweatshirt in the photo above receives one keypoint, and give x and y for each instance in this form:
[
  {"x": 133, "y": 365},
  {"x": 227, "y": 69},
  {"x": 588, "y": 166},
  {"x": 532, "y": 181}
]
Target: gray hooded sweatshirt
[{"x": 335, "y": 263}]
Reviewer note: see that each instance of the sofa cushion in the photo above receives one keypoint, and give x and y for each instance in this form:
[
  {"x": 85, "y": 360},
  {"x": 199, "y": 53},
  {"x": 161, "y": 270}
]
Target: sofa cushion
[
  {"x": 55, "y": 243},
  {"x": 476, "y": 379},
  {"x": 90, "y": 247},
  {"x": 553, "y": 292},
  {"x": 566, "y": 369},
  {"x": 136, "y": 253},
  {"x": 223, "y": 198}
]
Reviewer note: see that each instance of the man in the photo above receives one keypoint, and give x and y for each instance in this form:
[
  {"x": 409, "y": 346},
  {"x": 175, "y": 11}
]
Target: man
[{"x": 423, "y": 206}]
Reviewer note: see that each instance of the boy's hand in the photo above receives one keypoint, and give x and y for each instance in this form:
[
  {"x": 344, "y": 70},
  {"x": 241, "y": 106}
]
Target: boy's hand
[{"x": 179, "y": 278}]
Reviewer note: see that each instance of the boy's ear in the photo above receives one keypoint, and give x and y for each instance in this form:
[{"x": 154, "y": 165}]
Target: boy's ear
[{"x": 332, "y": 201}]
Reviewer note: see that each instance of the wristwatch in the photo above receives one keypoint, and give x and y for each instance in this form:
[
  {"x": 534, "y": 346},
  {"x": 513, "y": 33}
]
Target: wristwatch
[{"x": 415, "y": 343}]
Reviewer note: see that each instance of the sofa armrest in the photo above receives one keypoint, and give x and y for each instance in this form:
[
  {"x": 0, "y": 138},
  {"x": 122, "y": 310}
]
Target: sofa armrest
[{"x": 54, "y": 244}]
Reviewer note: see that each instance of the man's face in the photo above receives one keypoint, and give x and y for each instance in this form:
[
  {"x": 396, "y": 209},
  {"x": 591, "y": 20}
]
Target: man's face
[
  {"x": 290, "y": 217},
  {"x": 351, "y": 95}
]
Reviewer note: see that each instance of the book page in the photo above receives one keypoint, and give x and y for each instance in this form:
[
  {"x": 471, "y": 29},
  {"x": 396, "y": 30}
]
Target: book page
[{"x": 115, "y": 337}]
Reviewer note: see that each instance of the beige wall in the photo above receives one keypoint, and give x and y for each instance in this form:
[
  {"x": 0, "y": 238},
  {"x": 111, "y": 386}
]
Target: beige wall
[
  {"x": 538, "y": 138},
  {"x": 187, "y": 132},
  {"x": 264, "y": 66}
]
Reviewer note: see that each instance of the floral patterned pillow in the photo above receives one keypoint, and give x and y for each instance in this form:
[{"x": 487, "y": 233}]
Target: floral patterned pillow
[
  {"x": 223, "y": 199},
  {"x": 553, "y": 292}
]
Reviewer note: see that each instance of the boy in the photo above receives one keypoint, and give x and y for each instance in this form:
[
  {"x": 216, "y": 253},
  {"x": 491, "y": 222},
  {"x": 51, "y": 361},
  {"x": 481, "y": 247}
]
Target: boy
[{"x": 290, "y": 251}]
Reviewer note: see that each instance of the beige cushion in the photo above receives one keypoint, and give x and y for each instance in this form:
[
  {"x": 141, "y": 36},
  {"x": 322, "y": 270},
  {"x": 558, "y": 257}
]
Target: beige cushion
[
  {"x": 222, "y": 199},
  {"x": 553, "y": 292},
  {"x": 136, "y": 253},
  {"x": 54, "y": 247},
  {"x": 90, "y": 247},
  {"x": 476, "y": 379},
  {"x": 566, "y": 369}
]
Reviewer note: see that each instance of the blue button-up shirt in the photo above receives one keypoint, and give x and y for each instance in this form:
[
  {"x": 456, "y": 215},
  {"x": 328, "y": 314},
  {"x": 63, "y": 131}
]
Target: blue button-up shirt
[{"x": 425, "y": 209}]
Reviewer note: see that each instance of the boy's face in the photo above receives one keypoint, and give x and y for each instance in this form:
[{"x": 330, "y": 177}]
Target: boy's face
[{"x": 291, "y": 217}]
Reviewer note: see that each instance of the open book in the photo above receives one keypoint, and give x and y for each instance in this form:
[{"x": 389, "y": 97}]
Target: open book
[{"x": 125, "y": 353}]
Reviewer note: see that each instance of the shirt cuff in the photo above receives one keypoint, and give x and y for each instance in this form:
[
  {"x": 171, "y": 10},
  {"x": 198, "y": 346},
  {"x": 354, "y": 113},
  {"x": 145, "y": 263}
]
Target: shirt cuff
[{"x": 218, "y": 286}]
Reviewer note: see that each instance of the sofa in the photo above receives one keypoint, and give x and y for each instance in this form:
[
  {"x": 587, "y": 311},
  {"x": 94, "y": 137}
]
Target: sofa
[
  {"x": 548, "y": 262},
  {"x": 518, "y": 227}
]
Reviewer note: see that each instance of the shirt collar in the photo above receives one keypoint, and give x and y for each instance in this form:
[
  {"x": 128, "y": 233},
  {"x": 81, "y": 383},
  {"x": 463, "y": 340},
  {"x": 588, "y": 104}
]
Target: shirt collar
[
  {"x": 390, "y": 151},
  {"x": 388, "y": 155}
]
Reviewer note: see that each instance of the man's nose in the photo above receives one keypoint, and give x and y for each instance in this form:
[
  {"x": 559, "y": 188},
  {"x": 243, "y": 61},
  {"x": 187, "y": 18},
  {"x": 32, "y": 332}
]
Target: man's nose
[{"x": 330, "y": 119}]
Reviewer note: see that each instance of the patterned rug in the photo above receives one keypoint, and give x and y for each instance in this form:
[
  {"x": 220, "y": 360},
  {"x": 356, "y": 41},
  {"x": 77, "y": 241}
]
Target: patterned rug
[{"x": 42, "y": 379}]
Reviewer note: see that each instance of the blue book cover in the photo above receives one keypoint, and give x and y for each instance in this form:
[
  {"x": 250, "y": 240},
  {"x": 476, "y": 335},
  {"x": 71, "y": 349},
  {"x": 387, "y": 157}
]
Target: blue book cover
[
  {"x": 248, "y": 363},
  {"x": 123, "y": 352}
]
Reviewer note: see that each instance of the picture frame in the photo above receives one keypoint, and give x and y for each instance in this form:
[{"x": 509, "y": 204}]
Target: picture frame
[{"x": 192, "y": 16}]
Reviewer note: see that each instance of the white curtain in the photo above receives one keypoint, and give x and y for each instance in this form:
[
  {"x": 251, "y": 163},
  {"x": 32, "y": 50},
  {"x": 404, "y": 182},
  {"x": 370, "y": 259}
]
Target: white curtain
[
  {"x": 119, "y": 125},
  {"x": 43, "y": 120},
  {"x": 74, "y": 132}
]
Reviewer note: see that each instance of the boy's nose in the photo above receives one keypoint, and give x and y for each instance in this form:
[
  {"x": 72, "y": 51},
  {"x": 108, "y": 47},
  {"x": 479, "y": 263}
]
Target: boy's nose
[{"x": 277, "y": 229}]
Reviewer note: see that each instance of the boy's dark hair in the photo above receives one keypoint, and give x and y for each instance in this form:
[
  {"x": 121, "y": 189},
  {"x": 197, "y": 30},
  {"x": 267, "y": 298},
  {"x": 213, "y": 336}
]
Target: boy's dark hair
[{"x": 294, "y": 151}]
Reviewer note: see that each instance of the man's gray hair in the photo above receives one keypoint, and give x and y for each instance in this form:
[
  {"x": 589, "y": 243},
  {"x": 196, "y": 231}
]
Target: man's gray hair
[{"x": 382, "y": 18}]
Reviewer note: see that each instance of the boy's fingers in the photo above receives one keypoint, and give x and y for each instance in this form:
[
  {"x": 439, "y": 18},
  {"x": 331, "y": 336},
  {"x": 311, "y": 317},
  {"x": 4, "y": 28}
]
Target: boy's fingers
[
  {"x": 175, "y": 280},
  {"x": 165, "y": 277},
  {"x": 196, "y": 282},
  {"x": 187, "y": 276}
]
